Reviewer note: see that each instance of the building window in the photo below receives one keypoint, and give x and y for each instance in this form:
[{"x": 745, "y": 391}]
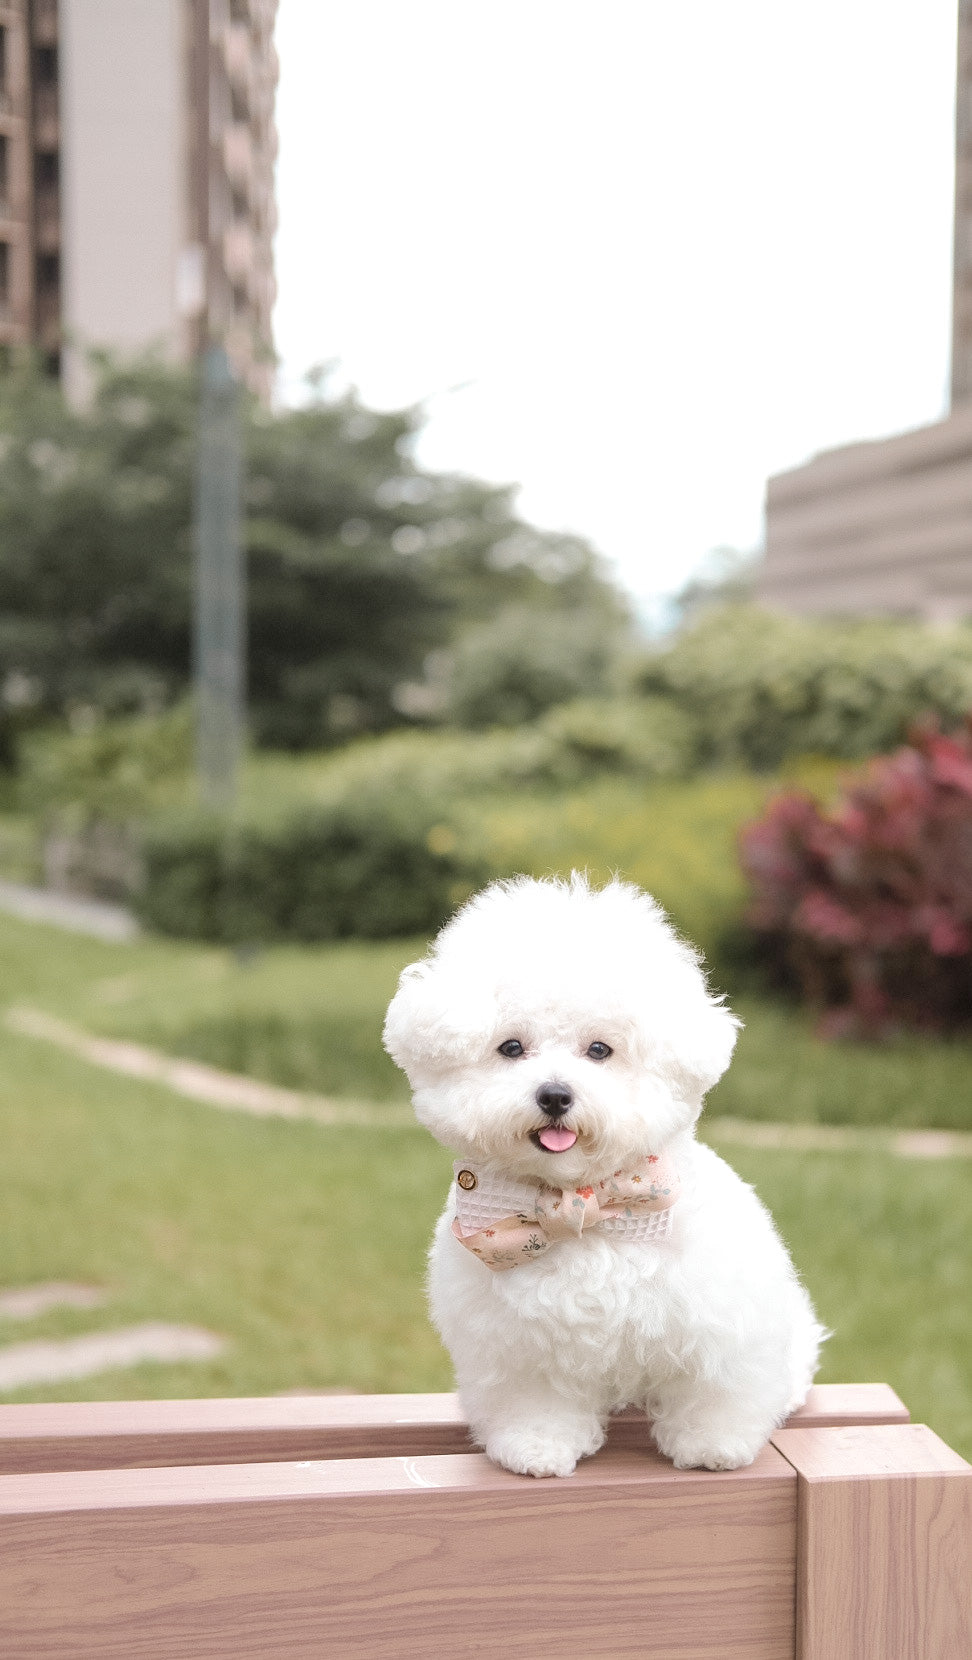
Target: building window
[
  {"x": 3, "y": 62},
  {"x": 4, "y": 174},
  {"x": 47, "y": 169},
  {"x": 48, "y": 272},
  {"x": 4, "y": 275},
  {"x": 45, "y": 65},
  {"x": 239, "y": 11}
]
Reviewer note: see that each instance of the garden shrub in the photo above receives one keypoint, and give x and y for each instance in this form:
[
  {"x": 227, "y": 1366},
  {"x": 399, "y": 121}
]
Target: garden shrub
[
  {"x": 89, "y": 787},
  {"x": 648, "y": 737},
  {"x": 867, "y": 906},
  {"x": 585, "y": 739},
  {"x": 763, "y": 687},
  {"x": 521, "y": 662},
  {"x": 373, "y": 867}
]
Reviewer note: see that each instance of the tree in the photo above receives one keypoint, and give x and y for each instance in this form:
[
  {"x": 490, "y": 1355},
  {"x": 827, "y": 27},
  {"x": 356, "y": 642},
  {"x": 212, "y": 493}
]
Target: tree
[{"x": 359, "y": 563}]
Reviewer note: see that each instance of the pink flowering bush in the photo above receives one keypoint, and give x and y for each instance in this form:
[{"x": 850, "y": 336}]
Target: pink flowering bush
[{"x": 867, "y": 906}]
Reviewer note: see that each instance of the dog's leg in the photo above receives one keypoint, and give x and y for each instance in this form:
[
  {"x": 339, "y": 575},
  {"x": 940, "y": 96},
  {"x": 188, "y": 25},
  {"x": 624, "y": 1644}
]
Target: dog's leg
[
  {"x": 530, "y": 1431},
  {"x": 703, "y": 1426}
]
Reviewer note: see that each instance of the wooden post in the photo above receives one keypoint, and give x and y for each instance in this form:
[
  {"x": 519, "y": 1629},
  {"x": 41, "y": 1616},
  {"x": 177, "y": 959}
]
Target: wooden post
[{"x": 884, "y": 1567}]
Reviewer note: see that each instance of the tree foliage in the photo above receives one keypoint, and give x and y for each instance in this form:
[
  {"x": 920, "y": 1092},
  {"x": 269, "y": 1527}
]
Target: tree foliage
[{"x": 359, "y": 563}]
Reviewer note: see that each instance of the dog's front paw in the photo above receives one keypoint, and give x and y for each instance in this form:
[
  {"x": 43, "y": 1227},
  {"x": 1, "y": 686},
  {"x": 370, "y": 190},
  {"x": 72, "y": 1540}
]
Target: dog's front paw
[
  {"x": 529, "y": 1452},
  {"x": 699, "y": 1450}
]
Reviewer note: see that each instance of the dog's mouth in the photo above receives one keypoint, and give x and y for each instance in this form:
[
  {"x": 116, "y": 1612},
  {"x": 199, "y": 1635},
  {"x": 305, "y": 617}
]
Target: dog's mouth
[{"x": 553, "y": 1138}]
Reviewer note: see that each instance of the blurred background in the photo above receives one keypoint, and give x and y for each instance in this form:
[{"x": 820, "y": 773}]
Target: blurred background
[{"x": 437, "y": 443}]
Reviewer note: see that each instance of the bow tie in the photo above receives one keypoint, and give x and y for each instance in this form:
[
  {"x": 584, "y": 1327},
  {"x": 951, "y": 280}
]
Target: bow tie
[{"x": 506, "y": 1223}]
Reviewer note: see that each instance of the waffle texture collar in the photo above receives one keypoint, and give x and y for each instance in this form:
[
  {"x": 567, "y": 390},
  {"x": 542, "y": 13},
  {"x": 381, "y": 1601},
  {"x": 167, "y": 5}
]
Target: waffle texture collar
[{"x": 507, "y": 1223}]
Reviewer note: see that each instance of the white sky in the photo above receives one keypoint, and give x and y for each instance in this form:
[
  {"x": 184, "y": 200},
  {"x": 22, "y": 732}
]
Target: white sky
[{"x": 665, "y": 247}]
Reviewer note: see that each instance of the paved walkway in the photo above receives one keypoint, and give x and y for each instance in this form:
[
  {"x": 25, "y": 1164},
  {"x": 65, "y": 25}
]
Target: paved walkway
[
  {"x": 199, "y": 1082},
  {"x": 234, "y": 1093},
  {"x": 58, "y": 1359},
  {"x": 63, "y": 910}
]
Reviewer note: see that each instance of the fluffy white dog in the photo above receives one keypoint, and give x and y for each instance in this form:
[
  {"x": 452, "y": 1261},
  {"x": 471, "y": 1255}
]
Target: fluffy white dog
[{"x": 560, "y": 1041}]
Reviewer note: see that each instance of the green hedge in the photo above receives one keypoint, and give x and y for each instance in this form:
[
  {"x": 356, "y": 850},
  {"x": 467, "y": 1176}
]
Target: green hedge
[
  {"x": 763, "y": 687},
  {"x": 638, "y": 737},
  {"x": 371, "y": 868}
]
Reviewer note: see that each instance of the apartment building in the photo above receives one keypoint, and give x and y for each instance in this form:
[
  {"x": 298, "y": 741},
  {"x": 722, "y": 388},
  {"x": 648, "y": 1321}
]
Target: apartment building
[
  {"x": 137, "y": 149},
  {"x": 884, "y": 528}
]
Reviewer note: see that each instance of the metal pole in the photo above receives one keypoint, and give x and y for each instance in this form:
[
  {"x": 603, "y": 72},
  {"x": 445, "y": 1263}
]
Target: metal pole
[{"x": 219, "y": 597}]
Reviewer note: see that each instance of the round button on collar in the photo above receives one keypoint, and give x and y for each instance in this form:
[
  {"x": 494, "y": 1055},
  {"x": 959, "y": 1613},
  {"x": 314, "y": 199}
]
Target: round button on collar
[{"x": 466, "y": 1180}]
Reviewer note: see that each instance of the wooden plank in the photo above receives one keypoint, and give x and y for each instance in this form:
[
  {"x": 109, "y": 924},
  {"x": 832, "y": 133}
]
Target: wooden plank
[
  {"x": 87, "y": 1435},
  {"x": 91, "y": 1435},
  {"x": 361, "y": 1559},
  {"x": 884, "y": 1544},
  {"x": 830, "y": 1404}
]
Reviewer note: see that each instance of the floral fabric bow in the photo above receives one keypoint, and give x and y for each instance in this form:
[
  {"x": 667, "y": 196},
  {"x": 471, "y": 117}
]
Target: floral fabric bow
[{"x": 506, "y": 1223}]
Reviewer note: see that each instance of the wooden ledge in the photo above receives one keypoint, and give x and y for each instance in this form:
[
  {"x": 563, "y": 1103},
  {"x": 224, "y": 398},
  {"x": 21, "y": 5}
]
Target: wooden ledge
[
  {"x": 846, "y": 1539},
  {"x": 359, "y": 1559},
  {"x": 90, "y": 1435}
]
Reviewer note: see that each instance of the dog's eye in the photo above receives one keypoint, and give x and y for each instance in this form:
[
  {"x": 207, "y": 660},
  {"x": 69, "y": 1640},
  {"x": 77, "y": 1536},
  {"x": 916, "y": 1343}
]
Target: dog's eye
[
  {"x": 600, "y": 1051},
  {"x": 512, "y": 1049}
]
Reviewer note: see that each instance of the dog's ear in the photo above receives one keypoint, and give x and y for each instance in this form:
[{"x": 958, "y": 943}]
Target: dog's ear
[
  {"x": 698, "y": 1035},
  {"x": 434, "y": 1020}
]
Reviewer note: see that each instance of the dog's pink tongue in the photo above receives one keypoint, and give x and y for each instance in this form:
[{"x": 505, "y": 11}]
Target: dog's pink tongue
[{"x": 556, "y": 1140}]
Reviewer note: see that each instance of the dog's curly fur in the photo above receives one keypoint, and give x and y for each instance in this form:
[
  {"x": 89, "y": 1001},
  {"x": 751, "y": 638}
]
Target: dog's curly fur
[{"x": 709, "y": 1329}]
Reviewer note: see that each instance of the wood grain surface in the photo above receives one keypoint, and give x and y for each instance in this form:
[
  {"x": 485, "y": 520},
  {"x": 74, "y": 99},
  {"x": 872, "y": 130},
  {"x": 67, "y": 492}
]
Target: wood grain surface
[
  {"x": 884, "y": 1544},
  {"x": 89, "y": 1435},
  {"x": 439, "y": 1555}
]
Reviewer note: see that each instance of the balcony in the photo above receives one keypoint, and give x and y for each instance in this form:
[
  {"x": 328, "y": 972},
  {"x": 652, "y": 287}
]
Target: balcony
[
  {"x": 47, "y": 222},
  {"x": 238, "y": 252},
  {"x": 238, "y": 59},
  {"x": 45, "y": 22},
  {"x": 238, "y": 154},
  {"x": 47, "y": 126}
]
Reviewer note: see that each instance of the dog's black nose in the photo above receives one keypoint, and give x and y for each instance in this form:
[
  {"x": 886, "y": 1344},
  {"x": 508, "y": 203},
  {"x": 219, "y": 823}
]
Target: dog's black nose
[{"x": 555, "y": 1099}]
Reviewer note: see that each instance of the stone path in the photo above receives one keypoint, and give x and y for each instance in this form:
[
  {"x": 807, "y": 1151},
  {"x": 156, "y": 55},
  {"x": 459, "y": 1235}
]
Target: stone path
[
  {"x": 838, "y": 1138},
  {"x": 62, "y": 910},
  {"x": 195, "y": 1080},
  {"x": 240, "y": 1094},
  {"x": 58, "y": 1360},
  {"x": 26, "y": 1302}
]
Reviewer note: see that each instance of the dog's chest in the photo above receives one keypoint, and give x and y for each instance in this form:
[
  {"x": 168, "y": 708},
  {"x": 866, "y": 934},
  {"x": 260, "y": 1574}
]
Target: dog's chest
[{"x": 595, "y": 1292}]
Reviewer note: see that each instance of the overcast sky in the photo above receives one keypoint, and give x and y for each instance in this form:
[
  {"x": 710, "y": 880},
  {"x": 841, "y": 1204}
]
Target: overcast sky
[{"x": 662, "y": 249}]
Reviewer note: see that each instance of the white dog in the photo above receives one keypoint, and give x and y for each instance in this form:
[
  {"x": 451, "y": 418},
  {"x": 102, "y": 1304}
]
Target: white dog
[{"x": 560, "y": 1041}]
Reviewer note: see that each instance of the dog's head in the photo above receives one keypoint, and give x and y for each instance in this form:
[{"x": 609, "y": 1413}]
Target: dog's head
[{"x": 558, "y": 1030}]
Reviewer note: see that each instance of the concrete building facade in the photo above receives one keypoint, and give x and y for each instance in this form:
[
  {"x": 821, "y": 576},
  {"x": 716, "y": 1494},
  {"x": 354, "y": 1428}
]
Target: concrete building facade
[
  {"x": 885, "y": 528},
  {"x": 962, "y": 248},
  {"x": 137, "y": 149},
  {"x": 876, "y": 529}
]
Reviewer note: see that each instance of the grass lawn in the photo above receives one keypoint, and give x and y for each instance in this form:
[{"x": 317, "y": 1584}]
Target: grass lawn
[
  {"x": 310, "y": 1018},
  {"x": 263, "y": 1230}
]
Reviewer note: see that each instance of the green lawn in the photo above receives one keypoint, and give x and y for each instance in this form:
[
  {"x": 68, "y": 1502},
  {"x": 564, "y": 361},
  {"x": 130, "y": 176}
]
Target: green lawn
[
  {"x": 263, "y": 1230},
  {"x": 310, "y": 1018}
]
